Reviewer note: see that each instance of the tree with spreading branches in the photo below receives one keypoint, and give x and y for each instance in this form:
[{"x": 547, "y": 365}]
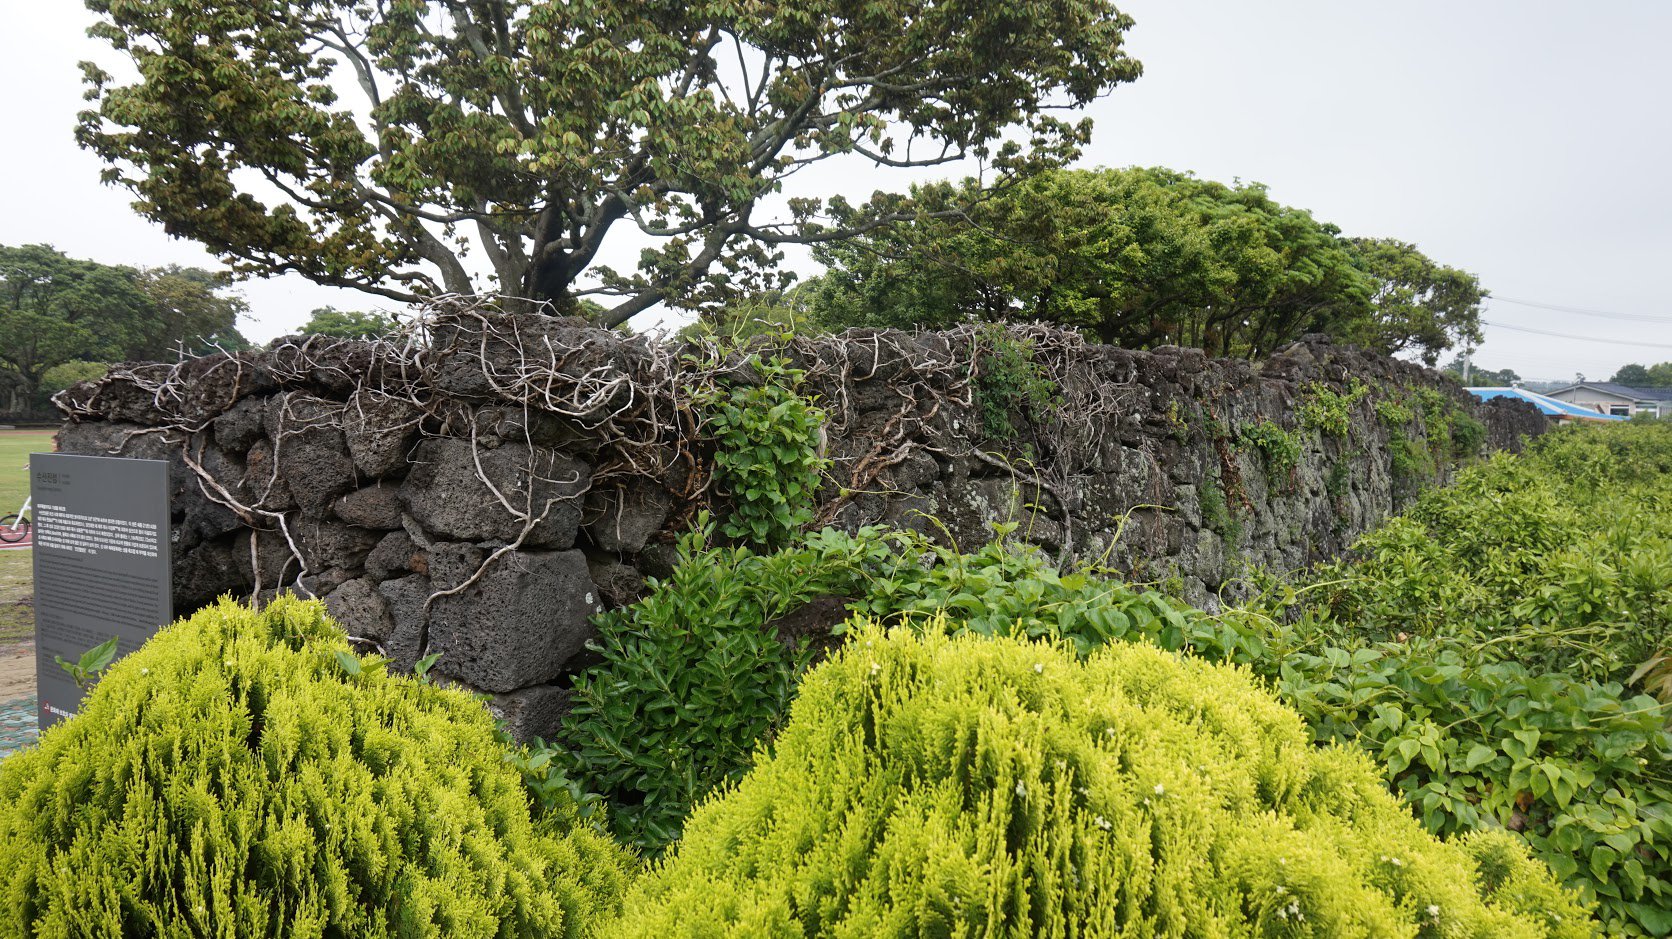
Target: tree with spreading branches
[
  {"x": 1143, "y": 256},
  {"x": 56, "y": 310},
  {"x": 530, "y": 131}
]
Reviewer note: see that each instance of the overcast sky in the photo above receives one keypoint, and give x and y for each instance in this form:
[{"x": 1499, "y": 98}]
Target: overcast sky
[{"x": 1528, "y": 142}]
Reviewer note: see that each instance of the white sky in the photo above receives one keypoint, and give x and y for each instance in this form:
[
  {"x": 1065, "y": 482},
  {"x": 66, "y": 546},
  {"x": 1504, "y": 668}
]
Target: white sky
[{"x": 1527, "y": 142}]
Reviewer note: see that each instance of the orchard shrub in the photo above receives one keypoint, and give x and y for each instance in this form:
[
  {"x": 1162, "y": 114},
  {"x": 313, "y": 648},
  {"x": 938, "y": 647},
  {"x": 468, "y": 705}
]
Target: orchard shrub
[
  {"x": 935, "y": 786},
  {"x": 243, "y": 774}
]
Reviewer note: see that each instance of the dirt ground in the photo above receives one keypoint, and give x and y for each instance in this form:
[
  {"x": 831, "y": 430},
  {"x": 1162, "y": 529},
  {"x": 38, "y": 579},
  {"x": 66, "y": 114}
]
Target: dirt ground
[
  {"x": 17, "y": 625},
  {"x": 17, "y": 670}
]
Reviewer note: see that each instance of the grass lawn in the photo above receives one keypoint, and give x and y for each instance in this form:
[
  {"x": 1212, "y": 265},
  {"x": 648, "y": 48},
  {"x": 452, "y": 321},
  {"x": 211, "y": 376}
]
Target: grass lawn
[
  {"x": 15, "y": 447},
  {"x": 17, "y": 572}
]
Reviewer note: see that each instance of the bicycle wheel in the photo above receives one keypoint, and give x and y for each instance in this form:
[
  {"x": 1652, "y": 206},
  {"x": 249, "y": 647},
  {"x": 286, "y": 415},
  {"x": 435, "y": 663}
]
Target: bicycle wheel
[{"x": 13, "y": 528}]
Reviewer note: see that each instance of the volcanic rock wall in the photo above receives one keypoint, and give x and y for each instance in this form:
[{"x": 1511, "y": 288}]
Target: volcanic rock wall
[{"x": 484, "y": 486}]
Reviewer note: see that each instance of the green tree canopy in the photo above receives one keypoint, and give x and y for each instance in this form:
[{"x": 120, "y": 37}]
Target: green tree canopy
[
  {"x": 1142, "y": 257},
  {"x": 529, "y": 130},
  {"x": 348, "y": 324},
  {"x": 55, "y": 309},
  {"x": 1415, "y": 304},
  {"x": 1637, "y": 376}
]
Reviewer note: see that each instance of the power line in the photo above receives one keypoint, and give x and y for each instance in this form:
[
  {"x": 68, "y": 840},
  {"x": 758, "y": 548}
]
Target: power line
[
  {"x": 1582, "y": 311},
  {"x": 1611, "y": 342}
]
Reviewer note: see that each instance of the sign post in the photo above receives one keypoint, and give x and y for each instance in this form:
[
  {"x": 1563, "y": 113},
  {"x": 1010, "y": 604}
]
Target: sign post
[{"x": 101, "y": 563}]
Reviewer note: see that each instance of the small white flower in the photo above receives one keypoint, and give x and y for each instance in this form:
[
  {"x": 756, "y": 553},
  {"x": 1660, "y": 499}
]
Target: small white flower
[
  {"x": 1146, "y": 800},
  {"x": 1434, "y": 910},
  {"x": 1102, "y": 823},
  {"x": 1108, "y": 731},
  {"x": 1282, "y": 860},
  {"x": 1396, "y": 862},
  {"x": 876, "y": 667},
  {"x": 145, "y": 671},
  {"x": 1021, "y": 790},
  {"x": 1159, "y": 790},
  {"x": 1281, "y": 890},
  {"x": 1282, "y": 914},
  {"x": 1039, "y": 667}
]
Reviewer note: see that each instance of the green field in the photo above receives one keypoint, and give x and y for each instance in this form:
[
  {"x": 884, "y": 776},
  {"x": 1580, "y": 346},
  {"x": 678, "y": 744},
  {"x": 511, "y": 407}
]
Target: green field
[
  {"x": 15, "y": 447},
  {"x": 17, "y": 615}
]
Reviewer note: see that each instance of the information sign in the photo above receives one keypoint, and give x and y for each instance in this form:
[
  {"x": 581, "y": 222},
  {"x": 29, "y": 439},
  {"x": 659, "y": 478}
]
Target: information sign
[{"x": 101, "y": 563}]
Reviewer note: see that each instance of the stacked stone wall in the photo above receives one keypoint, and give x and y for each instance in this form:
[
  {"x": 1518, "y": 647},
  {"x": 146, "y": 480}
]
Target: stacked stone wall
[{"x": 486, "y": 485}]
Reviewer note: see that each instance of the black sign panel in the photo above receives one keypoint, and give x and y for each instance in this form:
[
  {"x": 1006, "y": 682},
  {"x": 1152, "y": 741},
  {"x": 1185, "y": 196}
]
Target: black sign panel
[{"x": 101, "y": 563}]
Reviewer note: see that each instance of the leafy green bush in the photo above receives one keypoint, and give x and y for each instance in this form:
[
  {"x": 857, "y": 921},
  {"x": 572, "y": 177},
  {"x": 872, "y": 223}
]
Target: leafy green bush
[
  {"x": 939, "y": 787},
  {"x": 1578, "y": 768},
  {"x": 693, "y": 676},
  {"x": 59, "y": 377},
  {"x": 1410, "y": 465},
  {"x": 1484, "y": 646},
  {"x": 1328, "y": 411},
  {"x": 1008, "y": 381},
  {"x": 1467, "y": 435},
  {"x": 766, "y": 457},
  {"x": 1393, "y": 413},
  {"x": 1280, "y": 449},
  {"x": 233, "y": 778}
]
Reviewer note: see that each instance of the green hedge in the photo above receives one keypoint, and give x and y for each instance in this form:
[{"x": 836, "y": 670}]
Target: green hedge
[
  {"x": 934, "y": 786},
  {"x": 233, "y": 778}
]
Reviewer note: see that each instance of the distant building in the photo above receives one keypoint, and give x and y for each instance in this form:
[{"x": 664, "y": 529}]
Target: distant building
[
  {"x": 1559, "y": 412},
  {"x": 1605, "y": 397}
]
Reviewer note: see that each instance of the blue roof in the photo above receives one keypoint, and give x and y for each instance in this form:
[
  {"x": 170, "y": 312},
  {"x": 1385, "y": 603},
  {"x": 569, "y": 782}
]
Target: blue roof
[{"x": 1548, "y": 405}]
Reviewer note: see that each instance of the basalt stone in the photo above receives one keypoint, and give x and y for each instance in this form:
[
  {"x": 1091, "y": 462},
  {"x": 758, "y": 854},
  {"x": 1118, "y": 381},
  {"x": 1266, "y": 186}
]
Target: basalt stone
[
  {"x": 519, "y": 624},
  {"x": 658, "y": 560},
  {"x": 332, "y": 544},
  {"x": 396, "y": 556},
  {"x": 320, "y": 583},
  {"x": 309, "y": 449},
  {"x": 240, "y": 426},
  {"x": 264, "y": 557},
  {"x": 618, "y": 584},
  {"x": 379, "y": 432},
  {"x": 406, "y": 597},
  {"x": 376, "y": 506},
  {"x": 202, "y": 514},
  {"x": 361, "y": 610},
  {"x": 531, "y": 712},
  {"x": 448, "y": 498},
  {"x": 268, "y": 490},
  {"x": 203, "y": 574},
  {"x": 454, "y": 562},
  {"x": 624, "y": 518}
]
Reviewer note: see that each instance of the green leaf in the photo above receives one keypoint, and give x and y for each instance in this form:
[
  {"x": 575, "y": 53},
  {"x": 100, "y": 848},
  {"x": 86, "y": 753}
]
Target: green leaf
[
  {"x": 349, "y": 662},
  {"x": 1478, "y": 755},
  {"x": 96, "y": 658}
]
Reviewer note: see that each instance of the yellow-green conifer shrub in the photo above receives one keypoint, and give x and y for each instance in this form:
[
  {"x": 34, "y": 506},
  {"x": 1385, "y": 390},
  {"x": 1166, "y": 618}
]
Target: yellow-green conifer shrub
[
  {"x": 928, "y": 786},
  {"x": 233, "y": 779}
]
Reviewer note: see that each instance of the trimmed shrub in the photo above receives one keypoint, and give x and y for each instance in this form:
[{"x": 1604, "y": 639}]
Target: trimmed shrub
[
  {"x": 935, "y": 786},
  {"x": 243, "y": 774}
]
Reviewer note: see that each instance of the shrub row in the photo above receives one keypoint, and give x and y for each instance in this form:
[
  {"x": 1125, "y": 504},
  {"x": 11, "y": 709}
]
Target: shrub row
[
  {"x": 928, "y": 786},
  {"x": 1488, "y": 717}
]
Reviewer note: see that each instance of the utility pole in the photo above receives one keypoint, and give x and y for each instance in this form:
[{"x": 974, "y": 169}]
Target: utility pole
[{"x": 1468, "y": 363}]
